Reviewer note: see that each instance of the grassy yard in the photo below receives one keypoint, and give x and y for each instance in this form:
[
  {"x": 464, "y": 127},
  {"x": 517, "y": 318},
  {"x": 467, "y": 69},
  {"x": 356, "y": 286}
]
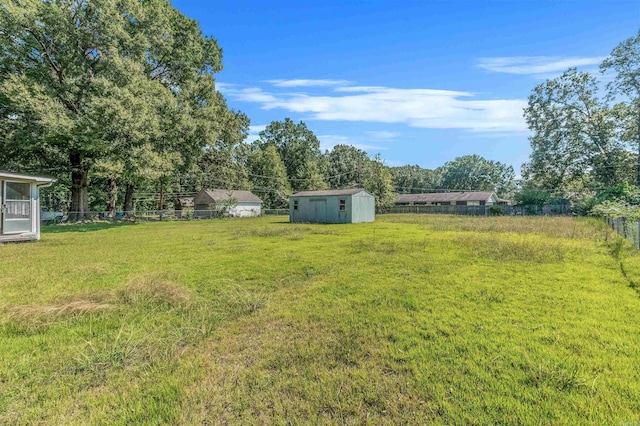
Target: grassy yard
[{"x": 408, "y": 320}]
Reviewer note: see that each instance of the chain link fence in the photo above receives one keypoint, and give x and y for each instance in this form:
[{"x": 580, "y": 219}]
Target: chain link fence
[
  {"x": 629, "y": 229},
  {"x": 489, "y": 210}
]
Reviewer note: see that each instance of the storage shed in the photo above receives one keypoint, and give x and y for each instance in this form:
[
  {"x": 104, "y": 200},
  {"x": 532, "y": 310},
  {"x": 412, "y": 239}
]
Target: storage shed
[
  {"x": 333, "y": 206},
  {"x": 213, "y": 202},
  {"x": 20, "y": 206}
]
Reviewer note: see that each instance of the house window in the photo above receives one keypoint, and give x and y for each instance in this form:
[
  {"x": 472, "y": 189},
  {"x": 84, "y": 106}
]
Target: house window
[
  {"x": 295, "y": 204},
  {"x": 343, "y": 205}
]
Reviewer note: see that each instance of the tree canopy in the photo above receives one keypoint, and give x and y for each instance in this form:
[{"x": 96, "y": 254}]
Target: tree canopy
[{"x": 85, "y": 82}]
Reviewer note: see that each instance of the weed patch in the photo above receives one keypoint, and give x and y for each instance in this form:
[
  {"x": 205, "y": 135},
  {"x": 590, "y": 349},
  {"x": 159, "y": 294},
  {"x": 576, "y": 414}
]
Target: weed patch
[{"x": 515, "y": 248}]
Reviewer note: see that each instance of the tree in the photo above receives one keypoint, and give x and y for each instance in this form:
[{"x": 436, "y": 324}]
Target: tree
[
  {"x": 574, "y": 142},
  {"x": 624, "y": 61},
  {"x": 346, "y": 166},
  {"x": 532, "y": 196},
  {"x": 475, "y": 173},
  {"x": 268, "y": 177},
  {"x": 223, "y": 164},
  {"x": 83, "y": 81},
  {"x": 414, "y": 179},
  {"x": 377, "y": 180},
  {"x": 299, "y": 149}
]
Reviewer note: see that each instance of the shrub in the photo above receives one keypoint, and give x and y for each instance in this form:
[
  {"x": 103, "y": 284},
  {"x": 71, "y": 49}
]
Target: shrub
[{"x": 496, "y": 210}]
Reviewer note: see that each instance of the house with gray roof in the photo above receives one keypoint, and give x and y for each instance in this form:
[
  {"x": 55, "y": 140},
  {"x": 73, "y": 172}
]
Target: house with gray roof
[
  {"x": 333, "y": 206},
  {"x": 223, "y": 202},
  {"x": 480, "y": 198}
]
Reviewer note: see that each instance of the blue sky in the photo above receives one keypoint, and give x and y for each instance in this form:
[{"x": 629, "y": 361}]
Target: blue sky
[{"x": 419, "y": 82}]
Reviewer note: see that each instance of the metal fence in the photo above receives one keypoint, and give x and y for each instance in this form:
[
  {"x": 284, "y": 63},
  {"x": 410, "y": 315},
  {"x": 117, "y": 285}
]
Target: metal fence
[
  {"x": 140, "y": 215},
  {"x": 525, "y": 210},
  {"x": 275, "y": 212},
  {"x": 630, "y": 229}
]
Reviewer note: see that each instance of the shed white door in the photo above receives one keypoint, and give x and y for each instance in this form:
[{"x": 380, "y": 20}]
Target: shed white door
[
  {"x": 319, "y": 210},
  {"x": 16, "y": 207}
]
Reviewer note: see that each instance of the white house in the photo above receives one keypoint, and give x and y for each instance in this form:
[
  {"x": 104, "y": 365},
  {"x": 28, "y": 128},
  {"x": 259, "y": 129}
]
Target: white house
[
  {"x": 20, "y": 206},
  {"x": 210, "y": 202}
]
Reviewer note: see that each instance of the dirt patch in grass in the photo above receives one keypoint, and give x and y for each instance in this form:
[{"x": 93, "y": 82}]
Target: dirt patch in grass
[
  {"x": 28, "y": 319},
  {"x": 76, "y": 307},
  {"x": 154, "y": 290}
]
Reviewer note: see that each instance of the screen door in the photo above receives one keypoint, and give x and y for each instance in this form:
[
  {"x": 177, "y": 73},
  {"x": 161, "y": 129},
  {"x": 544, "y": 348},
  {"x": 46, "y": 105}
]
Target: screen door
[{"x": 16, "y": 207}]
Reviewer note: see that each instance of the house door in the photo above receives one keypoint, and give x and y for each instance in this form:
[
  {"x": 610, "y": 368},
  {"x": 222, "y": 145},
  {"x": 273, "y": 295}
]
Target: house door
[
  {"x": 319, "y": 208},
  {"x": 15, "y": 208}
]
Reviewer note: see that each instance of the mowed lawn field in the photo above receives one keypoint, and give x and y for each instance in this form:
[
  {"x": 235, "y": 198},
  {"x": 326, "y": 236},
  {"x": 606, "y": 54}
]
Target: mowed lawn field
[{"x": 408, "y": 320}]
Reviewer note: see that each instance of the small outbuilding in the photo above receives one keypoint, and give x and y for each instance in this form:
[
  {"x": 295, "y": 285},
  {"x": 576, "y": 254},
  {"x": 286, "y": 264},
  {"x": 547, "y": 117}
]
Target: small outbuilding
[
  {"x": 20, "y": 206},
  {"x": 333, "y": 206},
  {"x": 223, "y": 202}
]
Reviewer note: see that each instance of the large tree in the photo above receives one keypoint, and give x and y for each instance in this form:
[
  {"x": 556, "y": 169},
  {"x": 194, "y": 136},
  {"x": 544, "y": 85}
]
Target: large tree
[
  {"x": 377, "y": 179},
  {"x": 268, "y": 177},
  {"x": 346, "y": 166},
  {"x": 574, "y": 141},
  {"x": 299, "y": 149},
  {"x": 83, "y": 81},
  {"x": 624, "y": 62},
  {"x": 475, "y": 173}
]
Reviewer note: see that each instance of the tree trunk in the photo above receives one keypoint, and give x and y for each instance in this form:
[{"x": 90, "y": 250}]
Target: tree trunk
[
  {"x": 79, "y": 187},
  {"x": 128, "y": 199},
  {"x": 111, "y": 205}
]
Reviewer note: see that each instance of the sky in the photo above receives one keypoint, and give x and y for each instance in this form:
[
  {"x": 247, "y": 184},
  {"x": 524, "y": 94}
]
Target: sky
[{"x": 418, "y": 82}]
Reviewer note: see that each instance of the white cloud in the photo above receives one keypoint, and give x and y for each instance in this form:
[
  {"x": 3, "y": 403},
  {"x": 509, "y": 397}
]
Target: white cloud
[
  {"x": 382, "y": 135},
  {"x": 536, "y": 64},
  {"x": 327, "y": 142},
  {"x": 254, "y": 132},
  {"x": 424, "y": 108},
  {"x": 306, "y": 82}
]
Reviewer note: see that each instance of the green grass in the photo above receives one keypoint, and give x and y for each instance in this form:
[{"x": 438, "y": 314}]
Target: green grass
[{"x": 409, "y": 320}]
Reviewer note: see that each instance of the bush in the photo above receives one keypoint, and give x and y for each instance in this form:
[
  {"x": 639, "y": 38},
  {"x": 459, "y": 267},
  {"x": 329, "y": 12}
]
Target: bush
[
  {"x": 496, "y": 210},
  {"x": 532, "y": 196}
]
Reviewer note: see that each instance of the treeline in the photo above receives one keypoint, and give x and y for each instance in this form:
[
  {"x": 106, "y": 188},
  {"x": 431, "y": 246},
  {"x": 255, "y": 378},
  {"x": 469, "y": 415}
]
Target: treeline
[{"x": 118, "y": 101}]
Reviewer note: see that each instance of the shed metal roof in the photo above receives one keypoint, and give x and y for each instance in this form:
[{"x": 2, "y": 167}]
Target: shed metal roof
[
  {"x": 445, "y": 197},
  {"x": 225, "y": 195},
  {"x": 328, "y": 192}
]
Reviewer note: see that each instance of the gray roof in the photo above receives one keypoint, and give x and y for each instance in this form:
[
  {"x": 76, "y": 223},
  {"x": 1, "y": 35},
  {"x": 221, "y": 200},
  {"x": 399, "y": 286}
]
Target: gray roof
[
  {"x": 224, "y": 195},
  {"x": 37, "y": 179},
  {"x": 186, "y": 202},
  {"x": 328, "y": 192},
  {"x": 445, "y": 197}
]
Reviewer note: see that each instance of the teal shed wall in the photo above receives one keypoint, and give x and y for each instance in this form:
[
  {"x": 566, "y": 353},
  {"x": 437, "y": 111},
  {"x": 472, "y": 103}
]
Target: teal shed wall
[{"x": 360, "y": 207}]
